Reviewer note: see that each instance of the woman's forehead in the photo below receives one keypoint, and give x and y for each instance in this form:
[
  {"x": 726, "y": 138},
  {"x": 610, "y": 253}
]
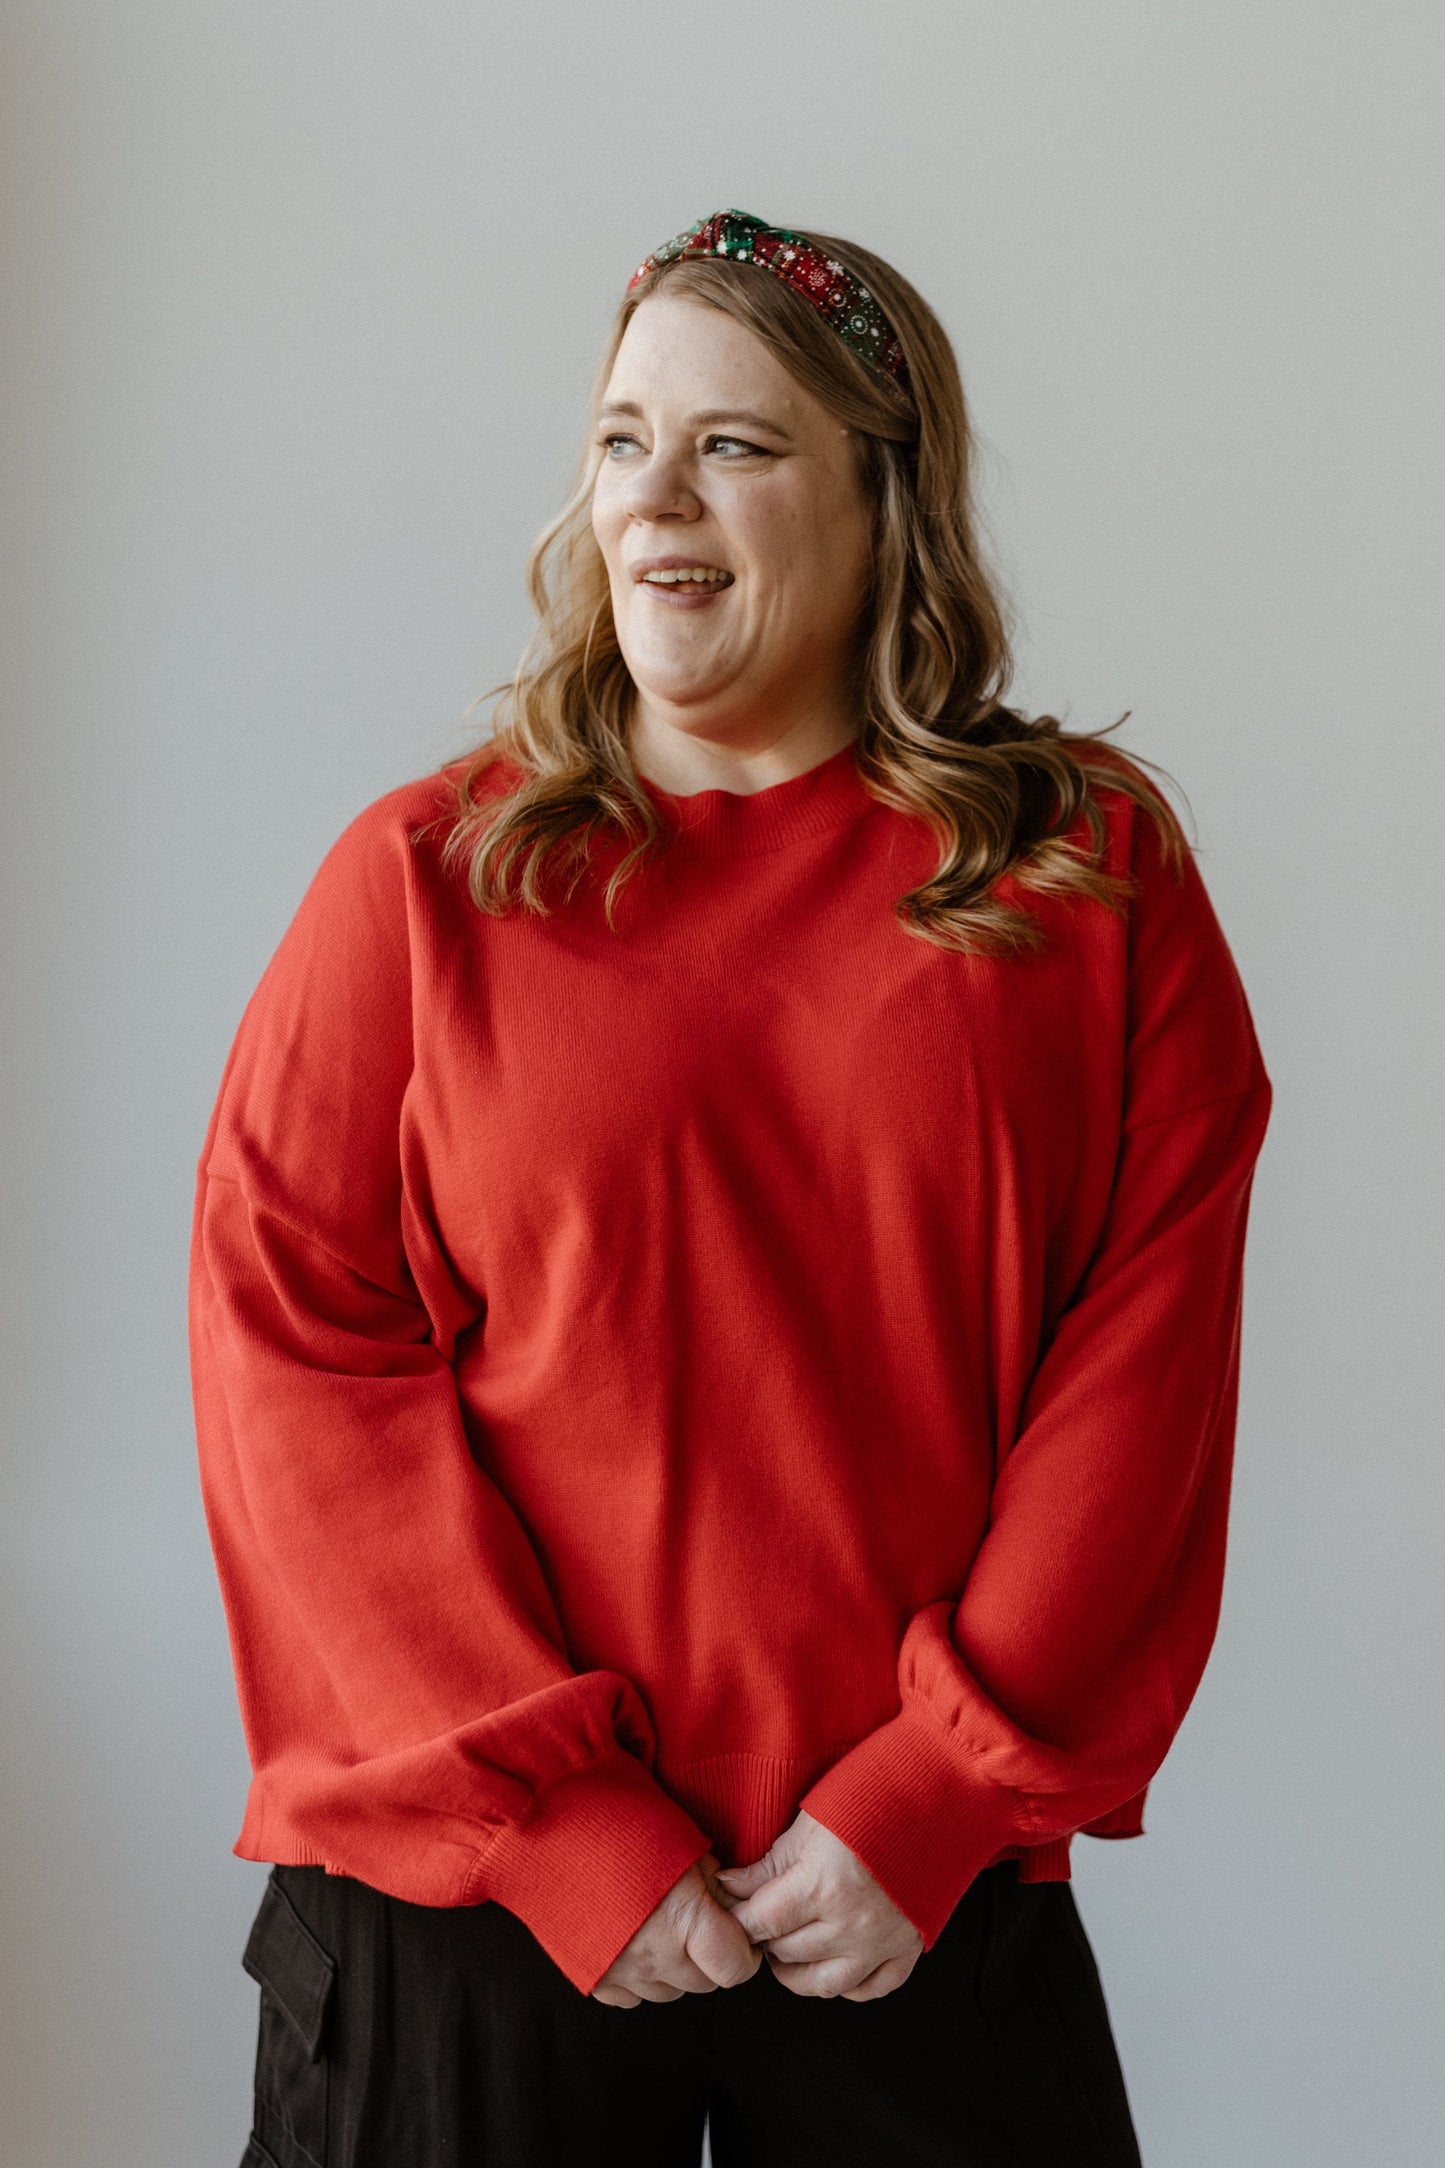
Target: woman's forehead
[{"x": 685, "y": 353}]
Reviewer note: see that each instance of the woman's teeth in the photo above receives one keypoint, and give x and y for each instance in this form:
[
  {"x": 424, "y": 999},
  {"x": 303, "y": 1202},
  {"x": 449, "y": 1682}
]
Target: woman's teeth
[{"x": 706, "y": 575}]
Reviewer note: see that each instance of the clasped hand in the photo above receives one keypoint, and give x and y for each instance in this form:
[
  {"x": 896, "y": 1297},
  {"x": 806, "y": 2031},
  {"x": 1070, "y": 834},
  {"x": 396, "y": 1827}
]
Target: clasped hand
[{"x": 809, "y": 1905}]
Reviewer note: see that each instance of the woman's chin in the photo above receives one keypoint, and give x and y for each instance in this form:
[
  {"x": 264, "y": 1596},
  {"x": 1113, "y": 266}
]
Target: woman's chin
[{"x": 676, "y": 682}]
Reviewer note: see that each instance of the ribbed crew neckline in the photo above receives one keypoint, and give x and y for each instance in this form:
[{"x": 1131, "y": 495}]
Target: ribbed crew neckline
[{"x": 729, "y": 824}]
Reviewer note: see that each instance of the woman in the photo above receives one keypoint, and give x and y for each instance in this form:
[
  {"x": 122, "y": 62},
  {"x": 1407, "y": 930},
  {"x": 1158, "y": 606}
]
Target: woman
[{"x": 715, "y": 1321}]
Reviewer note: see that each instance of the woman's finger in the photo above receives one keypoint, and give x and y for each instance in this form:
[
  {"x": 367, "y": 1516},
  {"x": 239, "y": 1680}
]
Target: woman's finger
[
  {"x": 825, "y": 1978},
  {"x": 742, "y": 1881},
  {"x": 778, "y": 1908},
  {"x": 803, "y": 1945},
  {"x": 881, "y": 1981}
]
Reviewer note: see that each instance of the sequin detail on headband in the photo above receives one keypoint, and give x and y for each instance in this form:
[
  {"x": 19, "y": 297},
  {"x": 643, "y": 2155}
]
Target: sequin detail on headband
[{"x": 838, "y": 297}]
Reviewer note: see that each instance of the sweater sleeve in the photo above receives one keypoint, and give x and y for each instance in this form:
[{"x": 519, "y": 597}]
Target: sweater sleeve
[
  {"x": 410, "y": 1712},
  {"x": 1048, "y": 1694}
]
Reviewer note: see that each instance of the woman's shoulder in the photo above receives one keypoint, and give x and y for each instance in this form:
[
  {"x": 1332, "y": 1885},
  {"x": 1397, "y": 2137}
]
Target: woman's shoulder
[
  {"x": 1191, "y": 1031},
  {"x": 1140, "y": 828},
  {"x": 397, "y": 837}
]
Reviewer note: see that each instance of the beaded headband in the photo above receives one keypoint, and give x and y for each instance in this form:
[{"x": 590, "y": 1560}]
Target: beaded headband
[{"x": 840, "y": 299}]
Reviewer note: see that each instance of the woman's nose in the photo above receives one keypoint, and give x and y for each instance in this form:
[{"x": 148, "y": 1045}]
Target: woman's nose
[{"x": 659, "y": 488}]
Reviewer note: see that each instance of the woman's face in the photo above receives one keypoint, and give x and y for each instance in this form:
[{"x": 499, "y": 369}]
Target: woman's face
[{"x": 716, "y": 461}]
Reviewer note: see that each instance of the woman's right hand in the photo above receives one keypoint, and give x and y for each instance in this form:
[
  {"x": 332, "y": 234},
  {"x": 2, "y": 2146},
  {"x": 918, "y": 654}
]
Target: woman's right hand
[{"x": 687, "y": 1946}]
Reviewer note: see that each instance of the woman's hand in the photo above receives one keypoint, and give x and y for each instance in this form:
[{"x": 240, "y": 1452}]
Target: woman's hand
[
  {"x": 688, "y": 1946},
  {"x": 827, "y": 1926}
]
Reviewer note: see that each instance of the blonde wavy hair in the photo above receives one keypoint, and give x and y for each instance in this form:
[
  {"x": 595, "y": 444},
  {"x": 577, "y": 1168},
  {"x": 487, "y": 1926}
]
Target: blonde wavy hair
[{"x": 1001, "y": 793}]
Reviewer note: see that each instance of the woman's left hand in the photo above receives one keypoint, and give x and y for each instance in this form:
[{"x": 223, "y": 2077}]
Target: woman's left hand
[{"x": 823, "y": 1923}]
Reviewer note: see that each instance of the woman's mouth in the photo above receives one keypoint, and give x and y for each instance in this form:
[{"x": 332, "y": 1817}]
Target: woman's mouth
[{"x": 686, "y": 587}]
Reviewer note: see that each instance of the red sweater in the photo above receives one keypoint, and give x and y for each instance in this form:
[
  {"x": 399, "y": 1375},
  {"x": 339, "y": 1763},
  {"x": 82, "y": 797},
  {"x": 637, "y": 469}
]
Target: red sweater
[{"x": 649, "y": 1380}]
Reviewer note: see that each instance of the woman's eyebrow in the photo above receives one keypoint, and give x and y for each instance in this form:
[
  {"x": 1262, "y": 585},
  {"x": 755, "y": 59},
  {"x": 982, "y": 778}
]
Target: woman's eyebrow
[
  {"x": 747, "y": 415},
  {"x": 706, "y": 418}
]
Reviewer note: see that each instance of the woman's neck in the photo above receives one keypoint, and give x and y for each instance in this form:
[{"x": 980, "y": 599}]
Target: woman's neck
[{"x": 751, "y": 755}]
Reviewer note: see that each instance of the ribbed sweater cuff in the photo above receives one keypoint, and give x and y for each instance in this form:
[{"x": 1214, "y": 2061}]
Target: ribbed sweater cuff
[
  {"x": 922, "y": 1822},
  {"x": 594, "y": 1855}
]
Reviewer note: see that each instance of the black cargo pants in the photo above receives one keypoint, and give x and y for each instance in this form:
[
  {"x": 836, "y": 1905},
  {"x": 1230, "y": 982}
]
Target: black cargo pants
[{"x": 395, "y": 2035}]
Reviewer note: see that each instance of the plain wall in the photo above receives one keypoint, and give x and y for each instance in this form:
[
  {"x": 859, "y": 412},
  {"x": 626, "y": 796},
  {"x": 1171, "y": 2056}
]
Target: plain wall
[{"x": 300, "y": 306}]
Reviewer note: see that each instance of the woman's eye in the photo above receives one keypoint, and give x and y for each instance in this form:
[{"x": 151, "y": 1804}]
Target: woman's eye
[{"x": 734, "y": 446}]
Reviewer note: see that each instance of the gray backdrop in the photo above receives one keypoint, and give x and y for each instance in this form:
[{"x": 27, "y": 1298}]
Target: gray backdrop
[{"x": 300, "y": 305}]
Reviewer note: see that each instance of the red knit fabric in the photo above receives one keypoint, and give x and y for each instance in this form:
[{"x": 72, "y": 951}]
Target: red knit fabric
[{"x": 649, "y": 1379}]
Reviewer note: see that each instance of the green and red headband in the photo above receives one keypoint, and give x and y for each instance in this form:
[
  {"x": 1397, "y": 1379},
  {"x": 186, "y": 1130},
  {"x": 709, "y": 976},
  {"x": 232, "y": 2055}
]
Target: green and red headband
[{"x": 840, "y": 299}]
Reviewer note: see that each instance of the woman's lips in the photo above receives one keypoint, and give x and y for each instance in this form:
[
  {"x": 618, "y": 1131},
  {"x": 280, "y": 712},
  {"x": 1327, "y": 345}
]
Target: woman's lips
[{"x": 686, "y": 594}]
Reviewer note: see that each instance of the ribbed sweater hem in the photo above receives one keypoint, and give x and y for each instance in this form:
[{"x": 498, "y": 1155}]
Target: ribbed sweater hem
[{"x": 638, "y": 1832}]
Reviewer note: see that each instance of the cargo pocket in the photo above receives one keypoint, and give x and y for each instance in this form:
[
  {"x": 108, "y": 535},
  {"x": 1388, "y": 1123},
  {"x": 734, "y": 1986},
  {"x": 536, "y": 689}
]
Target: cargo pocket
[{"x": 296, "y": 1977}]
